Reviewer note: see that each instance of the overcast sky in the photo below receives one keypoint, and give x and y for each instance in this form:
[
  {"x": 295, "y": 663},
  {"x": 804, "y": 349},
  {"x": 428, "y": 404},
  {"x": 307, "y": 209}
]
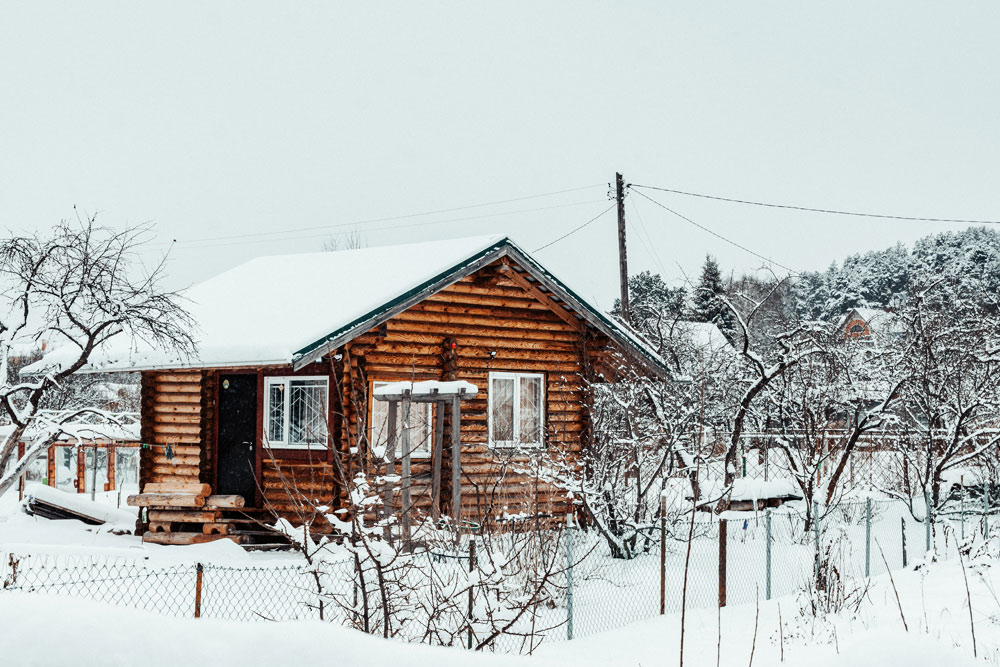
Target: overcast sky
[{"x": 269, "y": 127}]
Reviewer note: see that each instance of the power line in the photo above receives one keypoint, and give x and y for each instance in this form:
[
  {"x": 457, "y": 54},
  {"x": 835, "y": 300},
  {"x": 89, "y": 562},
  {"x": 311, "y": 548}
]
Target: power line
[
  {"x": 576, "y": 229},
  {"x": 716, "y": 234},
  {"x": 225, "y": 242},
  {"x": 810, "y": 209},
  {"x": 355, "y": 223},
  {"x": 648, "y": 241}
]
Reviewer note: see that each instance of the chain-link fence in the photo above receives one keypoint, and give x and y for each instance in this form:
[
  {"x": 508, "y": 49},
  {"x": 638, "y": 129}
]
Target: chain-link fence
[{"x": 561, "y": 584}]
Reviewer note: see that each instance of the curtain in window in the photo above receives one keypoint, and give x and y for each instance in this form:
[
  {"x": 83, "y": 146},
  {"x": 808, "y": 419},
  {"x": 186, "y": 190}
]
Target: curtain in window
[
  {"x": 530, "y": 412},
  {"x": 502, "y": 416}
]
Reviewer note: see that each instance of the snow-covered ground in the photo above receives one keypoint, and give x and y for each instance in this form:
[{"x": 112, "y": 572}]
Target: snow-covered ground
[
  {"x": 20, "y": 532},
  {"x": 932, "y": 598}
]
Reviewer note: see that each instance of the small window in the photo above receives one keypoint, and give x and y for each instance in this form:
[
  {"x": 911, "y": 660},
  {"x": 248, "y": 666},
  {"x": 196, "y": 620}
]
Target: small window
[
  {"x": 296, "y": 411},
  {"x": 421, "y": 426},
  {"x": 857, "y": 329},
  {"x": 516, "y": 408}
]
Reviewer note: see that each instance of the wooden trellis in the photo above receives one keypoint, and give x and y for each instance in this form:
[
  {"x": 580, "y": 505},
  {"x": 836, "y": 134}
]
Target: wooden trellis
[{"x": 400, "y": 396}]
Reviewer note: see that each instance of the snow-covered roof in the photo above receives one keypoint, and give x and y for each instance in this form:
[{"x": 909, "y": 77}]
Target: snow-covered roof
[
  {"x": 292, "y": 309},
  {"x": 875, "y": 318},
  {"x": 81, "y": 432}
]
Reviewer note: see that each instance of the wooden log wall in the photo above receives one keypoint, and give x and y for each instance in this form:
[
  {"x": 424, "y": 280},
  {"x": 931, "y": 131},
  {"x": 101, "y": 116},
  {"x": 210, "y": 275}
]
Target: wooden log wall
[
  {"x": 285, "y": 482},
  {"x": 488, "y": 312},
  {"x": 177, "y": 410}
]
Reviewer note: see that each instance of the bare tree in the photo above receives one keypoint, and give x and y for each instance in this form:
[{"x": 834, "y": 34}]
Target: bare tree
[
  {"x": 78, "y": 286},
  {"x": 951, "y": 396},
  {"x": 350, "y": 240},
  {"x": 817, "y": 411},
  {"x": 761, "y": 368}
]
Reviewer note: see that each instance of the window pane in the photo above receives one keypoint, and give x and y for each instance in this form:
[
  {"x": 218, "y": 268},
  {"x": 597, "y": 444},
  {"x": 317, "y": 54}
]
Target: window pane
[
  {"x": 421, "y": 425},
  {"x": 127, "y": 469},
  {"x": 502, "y": 414},
  {"x": 307, "y": 412},
  {"x": 101, "y": 473},
  {"x": 530, "y": 405},
  {"x": 421, "y": 428},
  {"x": 380, "y": 421},
  {"x": 66, "y": 464},
  {"x": 276, "y": 413}
]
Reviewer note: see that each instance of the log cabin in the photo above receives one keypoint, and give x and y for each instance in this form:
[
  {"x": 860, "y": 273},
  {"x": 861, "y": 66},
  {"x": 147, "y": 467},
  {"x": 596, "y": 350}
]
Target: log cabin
[{"x": 277, "y": 410}]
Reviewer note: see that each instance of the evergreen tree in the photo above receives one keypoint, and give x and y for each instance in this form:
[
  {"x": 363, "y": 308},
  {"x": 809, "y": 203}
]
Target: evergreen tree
[
  {"x": 968, "y": 260},
  {"x": 650, "y": 299},
  {"x": 707, "y": 306}
]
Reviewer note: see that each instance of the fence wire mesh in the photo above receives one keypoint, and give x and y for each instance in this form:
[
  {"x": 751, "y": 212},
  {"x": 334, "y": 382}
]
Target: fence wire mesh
[{"x": 565, "y": 585}]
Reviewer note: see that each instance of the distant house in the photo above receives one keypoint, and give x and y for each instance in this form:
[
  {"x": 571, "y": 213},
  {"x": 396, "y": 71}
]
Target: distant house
[
  {"x": 866, "y": 322},
  {"x": 301, "y": 356}
]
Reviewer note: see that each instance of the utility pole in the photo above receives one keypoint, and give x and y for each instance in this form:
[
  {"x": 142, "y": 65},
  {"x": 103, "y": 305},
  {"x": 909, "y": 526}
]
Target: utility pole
[{"x": 622, "y": 259}]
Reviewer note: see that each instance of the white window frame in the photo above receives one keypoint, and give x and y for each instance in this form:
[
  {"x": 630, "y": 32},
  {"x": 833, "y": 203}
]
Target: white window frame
[
  {"x": 286, "y": 426},
  {"x": 516, "y": 377},
  {"x": 415, "y": 452}
]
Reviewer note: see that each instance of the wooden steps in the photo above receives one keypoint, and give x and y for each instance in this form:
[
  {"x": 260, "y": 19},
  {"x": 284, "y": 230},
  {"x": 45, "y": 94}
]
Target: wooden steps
[
  {"x": 194, "y": 517},
  {"x": 188, "y": 514}
]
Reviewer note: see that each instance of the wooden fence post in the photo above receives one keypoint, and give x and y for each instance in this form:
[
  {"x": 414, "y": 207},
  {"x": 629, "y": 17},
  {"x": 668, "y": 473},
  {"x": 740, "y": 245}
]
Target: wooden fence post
[{"x": 197, "y": 591}]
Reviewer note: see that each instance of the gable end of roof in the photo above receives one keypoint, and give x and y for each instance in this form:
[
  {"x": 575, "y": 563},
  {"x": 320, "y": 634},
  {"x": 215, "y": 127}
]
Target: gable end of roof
[{"x": 630, "y": 342}]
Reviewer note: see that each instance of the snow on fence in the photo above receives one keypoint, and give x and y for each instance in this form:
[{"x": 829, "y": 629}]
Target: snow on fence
[{"x": 767, "y": 554}]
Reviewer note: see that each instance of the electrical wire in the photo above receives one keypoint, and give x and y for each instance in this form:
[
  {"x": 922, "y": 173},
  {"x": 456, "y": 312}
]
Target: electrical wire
[
  {"x": 279, "y": 233},
  {"x": 576, "y": 229},
  {"x": 648, "y": 242},
  {"x": 424, "y": 223},
  {"x": 716, "y": 234},
  {"x": 810, "y": 209}
]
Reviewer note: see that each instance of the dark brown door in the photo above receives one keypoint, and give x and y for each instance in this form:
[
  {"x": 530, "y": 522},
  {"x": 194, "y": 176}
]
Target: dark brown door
[{"x": 238, "y": 436}]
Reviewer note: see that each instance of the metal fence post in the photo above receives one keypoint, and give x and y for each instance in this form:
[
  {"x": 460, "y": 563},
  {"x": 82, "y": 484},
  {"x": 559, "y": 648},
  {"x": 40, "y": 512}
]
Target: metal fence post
[
  {"x": 569, "y": 576},
  {"x": 986, "y": 510},
  {"x": 767, "y": 532},
  {"x": 197, "y": 591},
  {"x": 961, "y": 506},
  {"x": 723, "y": 525},
  {"x": 472, "y": 566},
  {"x": 927, "y": 520},
  {"x": 663, "y": 555},
  {"x": 868, "y": 538},
  {"x": 816, "y": 538},
  {"x": 902, "y": 531}
]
